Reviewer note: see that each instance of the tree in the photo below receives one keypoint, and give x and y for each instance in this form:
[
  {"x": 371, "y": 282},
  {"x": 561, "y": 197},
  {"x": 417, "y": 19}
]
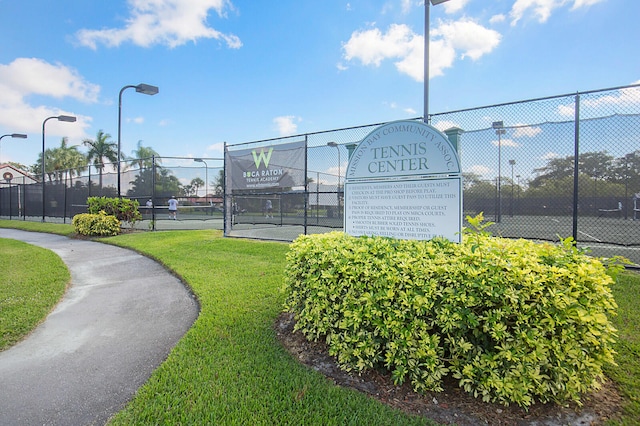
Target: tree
[
  {"x": 143, "y": 157},
  {"x": 62, "y": 162},
  {"x": 218, "y": 184},
  {"x": 555, "y": 169},
  {"x": 196, "y": 184},
  {"x": 99, "y": 150}
]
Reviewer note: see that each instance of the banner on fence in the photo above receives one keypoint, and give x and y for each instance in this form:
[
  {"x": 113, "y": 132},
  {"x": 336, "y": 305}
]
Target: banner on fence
[{"x": 276, "y": 166}]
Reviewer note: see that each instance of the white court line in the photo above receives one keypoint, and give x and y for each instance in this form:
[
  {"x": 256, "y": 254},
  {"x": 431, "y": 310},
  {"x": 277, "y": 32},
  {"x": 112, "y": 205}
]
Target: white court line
[{"x": 590, "y": 236}]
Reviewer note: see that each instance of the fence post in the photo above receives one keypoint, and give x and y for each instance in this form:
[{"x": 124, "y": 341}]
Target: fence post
[
  {"x": 225, "y": 186},
  {"x": 153, "y": 192},
  {"x": 453, "y": 134},
  {"x": 576, "y": 154},
  {"x": 306, "y": 182}
]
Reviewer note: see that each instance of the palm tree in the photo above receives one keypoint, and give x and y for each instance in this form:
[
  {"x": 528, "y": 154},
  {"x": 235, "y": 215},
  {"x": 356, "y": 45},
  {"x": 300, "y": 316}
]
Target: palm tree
[
  {"x": 100, "y": 149},
  {"x": 62, "y": 162},
  {"x": 143, "y": 157},
  {"x": 196, "y": 184}
]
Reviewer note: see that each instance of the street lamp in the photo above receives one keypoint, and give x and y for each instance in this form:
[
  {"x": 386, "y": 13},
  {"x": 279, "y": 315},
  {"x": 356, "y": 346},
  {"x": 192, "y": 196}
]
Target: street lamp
[
  {"x": 206, "y": 177},
  {"x": 68, "y": 119},
  {"x": 519, "y": 191},
  {"x": 512, "y": 163},
  {"x": 499, "y": 127},
  {"x": 426, "y": 56},
  {"x": 14, "y": 135},
  {"x": 140, "y": 88},
  {"x": 336, "y": 146}
]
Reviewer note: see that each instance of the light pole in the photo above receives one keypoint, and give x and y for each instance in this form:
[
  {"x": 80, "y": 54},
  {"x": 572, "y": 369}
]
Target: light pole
[
  {"x": 14, "y": 135},
  {"x": 519, "y": 191},
  {"x": 206, "y": 178},
  {"x": 336, "y": 146},
  {"x": 512, "y": 163},
  {"x": 140, "y": 88},
  {"x": 68, "y": 119},
  {"x": 499, "y": 127},
  {"x": 426, "y": 56}
]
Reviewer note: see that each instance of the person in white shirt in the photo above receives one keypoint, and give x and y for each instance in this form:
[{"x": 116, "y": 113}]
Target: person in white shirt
[{"x": 173, "y": 208}]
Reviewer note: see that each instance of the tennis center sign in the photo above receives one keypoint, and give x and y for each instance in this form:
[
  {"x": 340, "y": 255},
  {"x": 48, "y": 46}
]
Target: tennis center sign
[{"x": 404, "y": 181}]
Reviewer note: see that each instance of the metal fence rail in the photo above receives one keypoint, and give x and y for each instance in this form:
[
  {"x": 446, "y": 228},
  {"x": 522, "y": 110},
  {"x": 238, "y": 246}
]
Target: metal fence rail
[
  {"x": 566, "y": 165},
  {"x": 196, "y": 185}
]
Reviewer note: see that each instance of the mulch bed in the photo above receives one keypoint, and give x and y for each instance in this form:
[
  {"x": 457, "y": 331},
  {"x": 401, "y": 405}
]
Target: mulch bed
[{"x": 453, "y": 405}]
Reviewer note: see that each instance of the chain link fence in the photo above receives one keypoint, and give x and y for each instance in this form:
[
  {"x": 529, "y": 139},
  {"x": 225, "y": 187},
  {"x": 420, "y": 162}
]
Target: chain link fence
[
  {"x": 195, "y": 183},
  {"x": 566, "y": 165},
  {"x": 560, "y": 166}
]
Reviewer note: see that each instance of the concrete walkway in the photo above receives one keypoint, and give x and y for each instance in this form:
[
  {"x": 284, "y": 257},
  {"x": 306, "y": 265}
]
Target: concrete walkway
[{"x": 120, "y": 318}]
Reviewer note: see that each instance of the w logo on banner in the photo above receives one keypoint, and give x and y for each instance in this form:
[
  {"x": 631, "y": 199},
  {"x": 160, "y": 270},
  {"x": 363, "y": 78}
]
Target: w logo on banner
[{"x": 262, "y": 157}]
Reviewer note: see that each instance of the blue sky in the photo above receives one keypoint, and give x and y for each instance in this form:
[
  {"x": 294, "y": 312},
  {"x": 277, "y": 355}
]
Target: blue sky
[{"x": 239, "y": 71}]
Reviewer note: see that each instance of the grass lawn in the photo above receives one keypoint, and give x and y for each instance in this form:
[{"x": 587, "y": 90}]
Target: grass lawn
[
  {"x": 51, "y": 228},
  {"x": 230, "y": 368},
  {"x": 27, "y": 294}
]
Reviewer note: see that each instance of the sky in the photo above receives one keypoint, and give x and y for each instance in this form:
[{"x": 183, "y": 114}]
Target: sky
[{"x": 237, "y": 70}]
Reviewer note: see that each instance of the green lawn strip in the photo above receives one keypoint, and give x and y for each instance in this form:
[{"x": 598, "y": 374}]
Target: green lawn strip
[
  {"x": 32, "y": 281},
  {"x": 50, "y": 228},
  {"x": 230, "y": 368},
  {"x": 627, "y": 373}
]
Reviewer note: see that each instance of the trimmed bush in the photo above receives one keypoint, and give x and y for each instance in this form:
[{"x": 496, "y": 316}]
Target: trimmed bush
[
  {"x": 514, "y": 321},
  {"x": 96, "y": 225},
  {"x": 123, "y": 209}
]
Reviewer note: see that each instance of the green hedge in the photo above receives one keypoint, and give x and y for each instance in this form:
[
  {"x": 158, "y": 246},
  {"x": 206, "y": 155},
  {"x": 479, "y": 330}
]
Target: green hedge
[
  {"x": 96, "y": 225},
  {"x": 514, "y": 321},
  {"x": 122, "y": 208}
]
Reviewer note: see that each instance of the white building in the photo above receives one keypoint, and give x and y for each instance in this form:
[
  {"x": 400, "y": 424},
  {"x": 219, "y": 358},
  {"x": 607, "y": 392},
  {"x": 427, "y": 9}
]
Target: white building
[{"x": 14, "y": 176}]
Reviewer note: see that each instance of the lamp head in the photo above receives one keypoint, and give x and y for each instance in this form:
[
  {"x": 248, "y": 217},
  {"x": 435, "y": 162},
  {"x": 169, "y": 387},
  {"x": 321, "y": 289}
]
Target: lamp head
[
  {"x": 19, "y": 135},
  {"x": 332, "y": 144},
  {"x": 147, "y": 89},
  {"x": 67, "y": 118},
  {"x": 497, "y": 124}
]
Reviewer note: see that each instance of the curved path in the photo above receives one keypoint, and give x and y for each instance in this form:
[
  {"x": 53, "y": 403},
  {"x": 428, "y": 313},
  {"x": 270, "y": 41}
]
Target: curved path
[{"x": 119, "y": 319}]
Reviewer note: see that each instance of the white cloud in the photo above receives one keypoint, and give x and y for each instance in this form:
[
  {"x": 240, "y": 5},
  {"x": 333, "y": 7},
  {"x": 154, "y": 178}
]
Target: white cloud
[
  {"x": 584, "y": 3},
  {"x": 542, "y": 9},
  {"x": 216, "y": 147},
  {"x": 454, "y": 6},
  {"x": 506, "y": 142},
  {"x": 472, "y": 39},
  {"x": 25, "y": 77},
  {"x": 444, "y": 125},
  {"x": 463, "y": 38},
  {"x": 629, "y": 96},
  {"x": 371, "y": 47},
  {"x": 165, "y": 22},
  {"x": 525, "y": 131},
  {"x": 550, "y": 156},
  {"x": 406, "y": 5},
  {"x": 480, "y": 170},
  {"x": 495, "y": 19},
  {"x": 286, "y": 125},
  {"x": 136, "y": 120}
]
